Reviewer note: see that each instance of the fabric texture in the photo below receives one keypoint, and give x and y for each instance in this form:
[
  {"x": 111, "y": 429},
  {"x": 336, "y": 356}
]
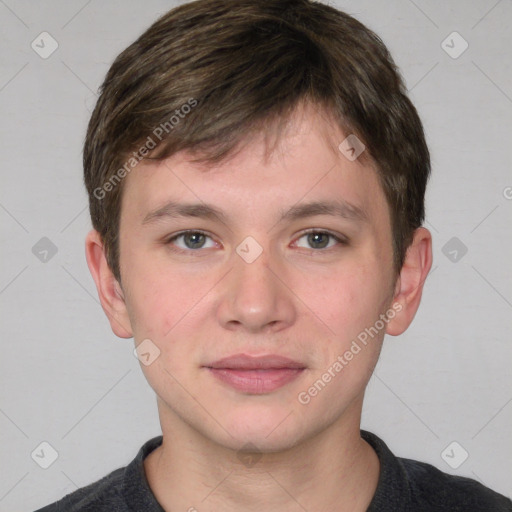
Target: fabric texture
[{"x": 404, "y": 485}]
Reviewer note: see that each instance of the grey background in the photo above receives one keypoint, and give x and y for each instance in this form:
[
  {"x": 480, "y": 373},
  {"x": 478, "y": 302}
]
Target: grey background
[{"x": 67, "y": 380}]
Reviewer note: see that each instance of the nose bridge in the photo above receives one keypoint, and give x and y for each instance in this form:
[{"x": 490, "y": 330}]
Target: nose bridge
[{"x": 254, "y": 297}]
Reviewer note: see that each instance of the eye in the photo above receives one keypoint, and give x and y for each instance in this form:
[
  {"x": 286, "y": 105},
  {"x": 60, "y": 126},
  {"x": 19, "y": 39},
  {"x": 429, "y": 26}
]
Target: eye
[
  {"x": 191, "y": 240},
  {"x": 318, "y": 239}
]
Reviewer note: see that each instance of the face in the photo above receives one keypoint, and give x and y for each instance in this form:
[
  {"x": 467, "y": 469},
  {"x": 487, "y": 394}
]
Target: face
[{"x": 287, "y": 256}]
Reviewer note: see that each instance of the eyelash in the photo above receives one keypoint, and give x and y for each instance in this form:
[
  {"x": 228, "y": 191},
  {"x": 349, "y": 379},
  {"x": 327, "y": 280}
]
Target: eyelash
[{"x": 342, "y": 241}]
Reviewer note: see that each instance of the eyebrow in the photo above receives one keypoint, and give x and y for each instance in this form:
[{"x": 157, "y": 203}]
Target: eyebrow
[{"x": 338, "y": 208}]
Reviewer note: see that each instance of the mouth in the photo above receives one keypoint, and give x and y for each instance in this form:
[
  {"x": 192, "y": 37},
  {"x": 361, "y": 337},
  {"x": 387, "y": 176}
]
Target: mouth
[{"x": 256, "y": 375}]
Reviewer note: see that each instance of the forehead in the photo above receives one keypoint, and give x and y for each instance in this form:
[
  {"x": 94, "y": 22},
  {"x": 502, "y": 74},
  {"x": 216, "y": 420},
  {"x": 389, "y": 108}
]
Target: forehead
[{"x": 305, "y": 166}]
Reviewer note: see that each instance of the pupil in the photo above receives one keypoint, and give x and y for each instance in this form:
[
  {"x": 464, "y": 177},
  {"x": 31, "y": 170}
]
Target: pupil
[
  {"x": 314, "y": 239},
  {"x": 196, "y": 239}
]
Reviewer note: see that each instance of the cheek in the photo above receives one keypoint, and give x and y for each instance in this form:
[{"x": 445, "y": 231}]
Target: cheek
[
  {"x": 170, "y": 309},
  {"x": 164, "y": 295},
  {"x": 350, "y": 300},
  {"x": 156, "y": 304}
]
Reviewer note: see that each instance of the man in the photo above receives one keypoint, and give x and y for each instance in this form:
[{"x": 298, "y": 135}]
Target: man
[{"x": 256, "y": 177}]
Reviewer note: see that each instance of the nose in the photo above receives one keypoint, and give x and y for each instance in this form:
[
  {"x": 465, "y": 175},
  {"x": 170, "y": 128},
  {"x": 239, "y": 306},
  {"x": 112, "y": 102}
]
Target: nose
[{"x": 255, "y": 297}]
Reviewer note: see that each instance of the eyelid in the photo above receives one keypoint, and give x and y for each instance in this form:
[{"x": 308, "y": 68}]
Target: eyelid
[
  {"x": 187, "y": 231},
  {"x": 341, "y": 239},
  {"x": 168, "y": 240},
  {"x": 325, "y": 231}
]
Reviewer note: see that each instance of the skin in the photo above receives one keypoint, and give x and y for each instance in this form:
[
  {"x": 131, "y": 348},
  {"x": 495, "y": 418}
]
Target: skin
[{"x": 303, "y": 298}]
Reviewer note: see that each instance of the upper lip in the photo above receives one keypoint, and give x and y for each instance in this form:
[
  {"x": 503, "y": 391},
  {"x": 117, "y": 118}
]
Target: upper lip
[{"x": 247, "y": 362}]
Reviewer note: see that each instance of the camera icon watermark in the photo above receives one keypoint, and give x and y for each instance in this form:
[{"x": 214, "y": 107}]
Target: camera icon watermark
[
  {"x": 146, "y": 352},
  {"x": 454, "y": 45},
  {"x": 44, "y": 249},
  {"x": 351, "y": 147},
  {"x": 44, "y": 455},
  {"x": 44, "y": 45},
  {"x": 249, "y": 249},
  {"x": 454, "y": 249},
  {"x": 454, "y": 455},
  {"x": 249, "y": 455}
]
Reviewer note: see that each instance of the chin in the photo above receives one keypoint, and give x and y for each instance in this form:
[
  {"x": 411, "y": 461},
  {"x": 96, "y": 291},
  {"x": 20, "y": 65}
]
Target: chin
[
  {"x": 256, "y": 441},
  {"x": 269, "y": 431}
]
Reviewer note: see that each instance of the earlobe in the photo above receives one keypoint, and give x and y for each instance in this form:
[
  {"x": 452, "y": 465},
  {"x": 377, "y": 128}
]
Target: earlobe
[
  {"x": 110, "y": 292},
  {"x": 409, "y": 287}
]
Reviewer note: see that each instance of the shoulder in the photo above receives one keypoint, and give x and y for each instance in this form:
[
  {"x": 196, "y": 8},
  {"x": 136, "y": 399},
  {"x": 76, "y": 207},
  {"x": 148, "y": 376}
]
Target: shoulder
[
  {"x": 123, "y": 490},
  {"x": 408, "y": 485},
  {"x": 441, "y": 491},
  {"x": 104, "y": 494}
]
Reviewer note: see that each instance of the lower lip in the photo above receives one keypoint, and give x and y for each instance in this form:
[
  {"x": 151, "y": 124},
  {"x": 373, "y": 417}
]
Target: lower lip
[{"x": 256, "y": 381}]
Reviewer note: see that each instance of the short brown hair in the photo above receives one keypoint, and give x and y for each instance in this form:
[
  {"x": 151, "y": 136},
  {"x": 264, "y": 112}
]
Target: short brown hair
[{"x": 246, "y": 63}]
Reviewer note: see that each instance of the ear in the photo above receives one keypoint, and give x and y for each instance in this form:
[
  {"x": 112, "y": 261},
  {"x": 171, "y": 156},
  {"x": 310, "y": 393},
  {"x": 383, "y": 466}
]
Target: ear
[
  {"x": 409, "y": 285},
  {"x": 109, "y": 291}
]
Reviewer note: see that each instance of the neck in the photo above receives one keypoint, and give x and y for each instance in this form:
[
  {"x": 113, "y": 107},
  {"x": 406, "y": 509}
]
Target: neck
[{"x": 334, "y": 470}]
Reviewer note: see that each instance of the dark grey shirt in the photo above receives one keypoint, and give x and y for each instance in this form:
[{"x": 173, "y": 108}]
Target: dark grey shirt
[{"x": 404, "y": 485}]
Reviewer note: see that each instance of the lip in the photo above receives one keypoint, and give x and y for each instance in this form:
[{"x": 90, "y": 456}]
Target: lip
[
  {"x": 248, "y": 362},
  {"x": 256, "y": 374}
]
